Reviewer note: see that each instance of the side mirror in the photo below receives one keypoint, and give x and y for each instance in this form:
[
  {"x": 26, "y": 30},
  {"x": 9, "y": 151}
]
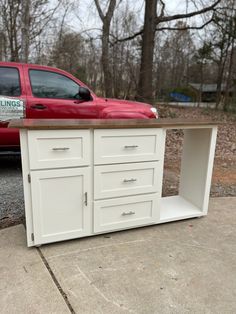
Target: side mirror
[{"x": 84, "y": 93}]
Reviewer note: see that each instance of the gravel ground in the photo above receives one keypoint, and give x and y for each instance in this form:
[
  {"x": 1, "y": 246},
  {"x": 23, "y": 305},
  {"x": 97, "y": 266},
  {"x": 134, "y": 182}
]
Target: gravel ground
[{"x": 11, "y": 191}]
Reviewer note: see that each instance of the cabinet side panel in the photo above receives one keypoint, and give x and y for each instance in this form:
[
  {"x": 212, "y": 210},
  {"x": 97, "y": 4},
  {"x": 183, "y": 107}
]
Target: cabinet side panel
[
  {"x": 211, "y": 157},
  {"x": 196, "y": 166},
  {"x": 26, "y": 185}
]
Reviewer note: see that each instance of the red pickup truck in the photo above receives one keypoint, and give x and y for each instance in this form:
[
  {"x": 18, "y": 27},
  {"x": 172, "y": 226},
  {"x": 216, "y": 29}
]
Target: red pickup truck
[{"x": 50, "y": 93}]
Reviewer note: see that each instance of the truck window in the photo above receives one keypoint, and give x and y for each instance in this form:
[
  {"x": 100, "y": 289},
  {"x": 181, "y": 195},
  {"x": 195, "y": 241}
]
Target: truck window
[
  {"x": 46, "y": 84},
  {"x": 9, "y": 82}
]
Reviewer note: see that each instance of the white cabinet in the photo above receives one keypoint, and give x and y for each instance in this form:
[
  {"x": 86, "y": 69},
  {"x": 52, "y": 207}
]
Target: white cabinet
[
  {"x": 57, "y": 176},
  {"x": 84, "y": 182},
  {"x": 61, "y": 204}
]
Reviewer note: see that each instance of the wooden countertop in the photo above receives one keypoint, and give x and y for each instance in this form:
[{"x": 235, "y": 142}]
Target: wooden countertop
[{"x": 52, "y": 124}]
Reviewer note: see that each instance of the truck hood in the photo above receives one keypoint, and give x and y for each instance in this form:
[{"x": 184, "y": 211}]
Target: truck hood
[
  {"x": 116, "y": 108},
  {"x": 123, "y": 103}
]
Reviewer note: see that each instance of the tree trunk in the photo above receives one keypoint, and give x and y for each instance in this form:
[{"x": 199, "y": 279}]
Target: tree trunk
[
  {"x": 2, "y": 46},
  {"x": 145, "y": 85},
  {"x": 219, "y": 83},
  {"x": 229, "y": 78},
  {"x": 25, "y": 31},
  {"x": 106, "y": 61},
  {"x": 106, "y": 22}
]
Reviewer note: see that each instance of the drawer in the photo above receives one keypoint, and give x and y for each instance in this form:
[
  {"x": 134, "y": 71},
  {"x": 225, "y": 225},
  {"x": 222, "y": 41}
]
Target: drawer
[
  {"x": 127, "y": 212},
  {"x": 59, "y": 148},
  {"x": 126, "y": 179},
  {"x": 127, "y": 145}
]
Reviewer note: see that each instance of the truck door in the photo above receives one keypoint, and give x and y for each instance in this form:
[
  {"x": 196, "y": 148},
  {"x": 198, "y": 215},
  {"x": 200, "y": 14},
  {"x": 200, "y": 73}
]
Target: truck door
[
  {"x": 55, "y": 96},
  {"x": 11, "y": 85}
]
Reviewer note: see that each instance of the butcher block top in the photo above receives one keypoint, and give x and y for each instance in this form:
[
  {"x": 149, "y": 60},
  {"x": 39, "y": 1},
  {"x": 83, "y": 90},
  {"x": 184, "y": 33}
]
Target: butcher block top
[{"x": 53, "y": 124}]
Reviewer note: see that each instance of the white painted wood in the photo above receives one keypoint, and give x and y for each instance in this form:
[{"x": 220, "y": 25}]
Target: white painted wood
[
  {"x": 59, "y": 209},
  {"x": 126, "y": 179},
  {"x": 59, "y": 148},
  {"x": 161, "y": 161},
  {"x": 210, "y": 164},
  {"x": 127, "y": 145},
  {"x": 189, "y": 127},
  {"x": 26, "y": 186},
  {"x": 196, "y": 166},
  {"x": 176, "y": 208},
  {"x": 127, "y": 212},
  {"x": 54, "y": 200}
]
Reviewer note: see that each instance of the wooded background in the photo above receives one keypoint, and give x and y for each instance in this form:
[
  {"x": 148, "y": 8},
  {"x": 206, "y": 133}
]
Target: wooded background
[{"x": 123, "y": 57}]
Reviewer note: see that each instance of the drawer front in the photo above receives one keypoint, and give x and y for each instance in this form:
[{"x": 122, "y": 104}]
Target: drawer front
[
  {"x": 128, "y": 212},
  {"x": 126, "y": 179},
  {"x": 127, "y": 145},
  {"x": 59, "y": 148}
]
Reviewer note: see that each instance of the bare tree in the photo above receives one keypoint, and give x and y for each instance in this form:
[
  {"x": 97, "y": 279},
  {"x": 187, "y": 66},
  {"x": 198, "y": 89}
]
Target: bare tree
[
  {"x": 155, "y": 17},
  {"x": 22, "y": 22},
  {"x": 10, "y": 10},
  {"x": 224, "y": 42},
  {"x": 106, "y": 23}
]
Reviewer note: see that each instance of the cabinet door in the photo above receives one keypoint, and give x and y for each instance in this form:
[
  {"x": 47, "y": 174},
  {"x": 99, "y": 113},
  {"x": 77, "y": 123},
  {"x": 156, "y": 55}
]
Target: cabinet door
[{"x": 61, "y": 204}]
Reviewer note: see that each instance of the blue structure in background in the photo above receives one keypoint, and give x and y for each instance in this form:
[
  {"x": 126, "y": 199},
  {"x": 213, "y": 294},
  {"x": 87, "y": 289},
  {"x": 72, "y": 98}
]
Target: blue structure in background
[{"x": 180, "y": 97}]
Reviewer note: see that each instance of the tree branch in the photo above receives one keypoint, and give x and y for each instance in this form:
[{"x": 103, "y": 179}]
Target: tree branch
[
  {"x": 129, "y": 37},
  {"x": 184, "y": 28},
  {"x": 163, "y": 8},
  {"x": 99, "y": 10},
  {"x": 111, "y": 9},
  {"x": 187, "y": 15},
  {"x": 162, "y": 19}
]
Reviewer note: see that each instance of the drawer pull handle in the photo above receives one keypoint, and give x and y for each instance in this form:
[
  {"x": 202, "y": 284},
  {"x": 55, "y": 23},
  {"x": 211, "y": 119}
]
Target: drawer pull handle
[
  {"x": 130, "y": 146},
  {"x": 129, "y": 180},
  {"x": 86, "y": 199},
  {"x": 128, "y": 214},
  {"x": 60, "y": 148}
]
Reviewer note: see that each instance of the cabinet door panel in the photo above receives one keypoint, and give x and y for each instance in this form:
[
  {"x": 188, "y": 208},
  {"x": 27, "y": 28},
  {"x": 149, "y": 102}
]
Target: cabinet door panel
[
  {"x": 59, "y": 204},
  {"x": 129, "y": 145},
  {"x": 126, "y": 179},
  {"x": 126, "y": 212}
]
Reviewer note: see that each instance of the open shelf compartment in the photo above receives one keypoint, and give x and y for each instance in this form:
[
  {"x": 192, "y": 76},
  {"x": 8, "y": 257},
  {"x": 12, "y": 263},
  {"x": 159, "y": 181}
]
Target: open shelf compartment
[
  {"x": 176, "y": 208},
  {"x": 195, "y": 177}
]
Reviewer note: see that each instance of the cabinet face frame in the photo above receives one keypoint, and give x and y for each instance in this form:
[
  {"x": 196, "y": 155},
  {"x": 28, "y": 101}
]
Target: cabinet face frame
[
  {"x": 27, "y": 186},
  {"x": 80, "y": 209}
]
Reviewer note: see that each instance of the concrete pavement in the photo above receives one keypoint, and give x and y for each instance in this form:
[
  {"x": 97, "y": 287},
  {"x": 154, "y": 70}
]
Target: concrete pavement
[
  {"x": 25, "y": 283},
  {"x": 182, "y": 267}
]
